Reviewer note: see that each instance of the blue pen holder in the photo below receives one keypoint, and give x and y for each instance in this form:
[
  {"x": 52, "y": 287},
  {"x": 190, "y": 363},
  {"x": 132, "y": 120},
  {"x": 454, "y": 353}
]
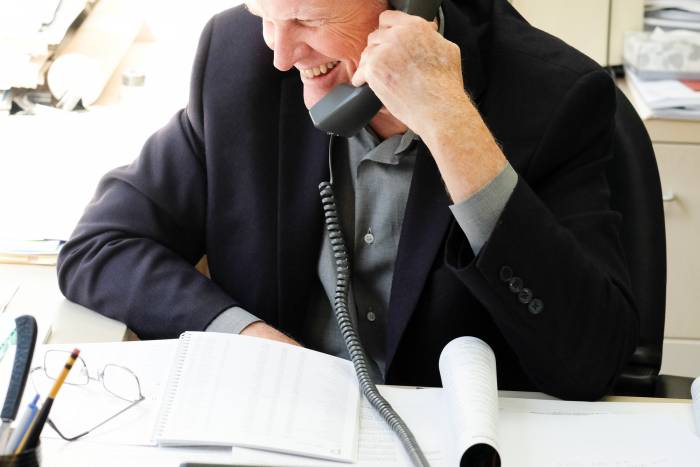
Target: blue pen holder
[{"x": 28, "y": 458}]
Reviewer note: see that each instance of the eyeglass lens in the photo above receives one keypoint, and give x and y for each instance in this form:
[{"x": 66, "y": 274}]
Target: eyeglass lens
[
  {"x": 117, "y": 380},
  {"x": 121, "y": 382},
  {"x": 55, "y": 360}
]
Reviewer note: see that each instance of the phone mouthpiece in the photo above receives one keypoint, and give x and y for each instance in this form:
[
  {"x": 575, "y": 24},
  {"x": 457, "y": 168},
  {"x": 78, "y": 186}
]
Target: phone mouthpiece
[{"x": 345, "y": 110}]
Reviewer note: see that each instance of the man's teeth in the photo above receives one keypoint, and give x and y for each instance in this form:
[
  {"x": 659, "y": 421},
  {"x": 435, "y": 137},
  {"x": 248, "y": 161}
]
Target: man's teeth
[{"x": 319, "y": 70}]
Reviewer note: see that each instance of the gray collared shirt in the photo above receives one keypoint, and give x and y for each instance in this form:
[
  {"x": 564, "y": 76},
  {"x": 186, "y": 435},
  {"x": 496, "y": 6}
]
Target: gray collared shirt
[{"x": 372, "y": 180}]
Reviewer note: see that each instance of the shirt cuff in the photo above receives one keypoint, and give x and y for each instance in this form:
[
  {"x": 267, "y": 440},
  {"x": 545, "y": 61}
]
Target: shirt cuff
[
  {"x": 478, "y": 214},
  {"x": 232, "y": 320}
]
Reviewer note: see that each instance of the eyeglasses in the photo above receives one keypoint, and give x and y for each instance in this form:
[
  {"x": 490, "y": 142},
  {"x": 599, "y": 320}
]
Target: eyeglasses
[{"x": 119, "y": 381}]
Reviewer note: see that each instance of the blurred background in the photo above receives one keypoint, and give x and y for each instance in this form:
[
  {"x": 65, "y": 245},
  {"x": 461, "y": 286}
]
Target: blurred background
[{"x": 84, "y": 82}]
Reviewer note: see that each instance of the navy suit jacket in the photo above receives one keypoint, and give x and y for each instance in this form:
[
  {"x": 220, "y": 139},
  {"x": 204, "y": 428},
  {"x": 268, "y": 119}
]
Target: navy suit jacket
[{"x": 235, "y": 176}]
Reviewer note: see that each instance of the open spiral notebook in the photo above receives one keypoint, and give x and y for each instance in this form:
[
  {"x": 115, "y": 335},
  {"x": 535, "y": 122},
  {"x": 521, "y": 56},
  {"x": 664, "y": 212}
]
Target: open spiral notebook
[{"x": 226, "y": 390}]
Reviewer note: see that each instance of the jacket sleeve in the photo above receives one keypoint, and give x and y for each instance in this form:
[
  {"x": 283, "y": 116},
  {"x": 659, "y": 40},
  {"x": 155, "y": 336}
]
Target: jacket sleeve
[
  {"x": 132, "y": 255},
  {"x": 553, "y": 274}
]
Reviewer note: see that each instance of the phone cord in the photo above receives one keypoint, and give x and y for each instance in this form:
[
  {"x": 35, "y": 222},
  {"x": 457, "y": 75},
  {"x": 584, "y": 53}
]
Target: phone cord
[{"x": 347, "y": 329}]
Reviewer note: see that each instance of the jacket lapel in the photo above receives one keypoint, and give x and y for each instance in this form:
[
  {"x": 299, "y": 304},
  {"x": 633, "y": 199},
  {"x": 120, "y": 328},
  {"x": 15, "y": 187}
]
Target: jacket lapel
[
  {"x": 427, "y": 213},
  {"x": 425, "y": 223},
  {"x": 303, "y": 164}
]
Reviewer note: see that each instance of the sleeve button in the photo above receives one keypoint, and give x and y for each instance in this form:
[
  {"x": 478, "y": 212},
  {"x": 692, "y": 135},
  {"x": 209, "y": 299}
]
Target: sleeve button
[
  {"x": 536, "y": 306},
  {"x": 505, "y": 274},
  {"x": 516, "y": 285},
  {"x": 525, "y": 296}
]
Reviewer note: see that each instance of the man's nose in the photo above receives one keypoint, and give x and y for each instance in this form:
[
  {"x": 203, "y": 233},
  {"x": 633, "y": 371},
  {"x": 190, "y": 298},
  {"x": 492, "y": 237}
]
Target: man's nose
[{"x": 287, "y": 47}]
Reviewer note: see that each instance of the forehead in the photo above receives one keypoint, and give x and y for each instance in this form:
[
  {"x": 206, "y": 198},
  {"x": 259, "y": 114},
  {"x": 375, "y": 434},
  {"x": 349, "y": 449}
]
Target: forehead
[{"x": 290, "y": 9}]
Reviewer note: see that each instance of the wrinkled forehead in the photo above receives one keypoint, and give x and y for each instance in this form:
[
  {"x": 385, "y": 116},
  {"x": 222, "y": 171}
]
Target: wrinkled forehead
[{"x": 292, "y": 9}]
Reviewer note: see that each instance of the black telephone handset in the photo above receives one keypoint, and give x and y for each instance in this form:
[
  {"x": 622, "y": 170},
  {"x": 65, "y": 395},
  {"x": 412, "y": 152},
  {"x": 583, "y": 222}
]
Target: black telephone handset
[{"x": 346, "y": 109}]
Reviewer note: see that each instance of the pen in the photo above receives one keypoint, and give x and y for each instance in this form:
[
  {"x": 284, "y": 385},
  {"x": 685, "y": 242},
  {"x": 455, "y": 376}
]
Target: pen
[
  {"x": 9, "y": 300},
  {"x": 31, "y": 438},
  {"x": 23, "y": 425}
]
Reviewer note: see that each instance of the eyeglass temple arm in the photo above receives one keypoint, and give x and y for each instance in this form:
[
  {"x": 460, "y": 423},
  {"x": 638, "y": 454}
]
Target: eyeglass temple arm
[{"x": 77, "y": 437}]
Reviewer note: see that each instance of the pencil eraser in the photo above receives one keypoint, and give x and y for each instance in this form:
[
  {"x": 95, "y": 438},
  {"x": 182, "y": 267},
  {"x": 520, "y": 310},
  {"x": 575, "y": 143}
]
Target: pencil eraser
[
  {"x": 695, "y": 394},
  {"x": 75, "y": 353}
]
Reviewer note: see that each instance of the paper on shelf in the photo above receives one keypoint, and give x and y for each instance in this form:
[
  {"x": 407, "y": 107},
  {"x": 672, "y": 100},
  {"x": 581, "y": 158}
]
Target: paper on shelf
[
  {"x": 670, "y": 99},
  {"x": 695, "y": 394},
  {"x": 84, "y": 65},
  {"x": 28, "y": 33},
  {"x": 686, "y": 5}
]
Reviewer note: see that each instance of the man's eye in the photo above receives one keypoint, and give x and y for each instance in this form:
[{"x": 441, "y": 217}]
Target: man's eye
[{"x": 311, "y": 23}]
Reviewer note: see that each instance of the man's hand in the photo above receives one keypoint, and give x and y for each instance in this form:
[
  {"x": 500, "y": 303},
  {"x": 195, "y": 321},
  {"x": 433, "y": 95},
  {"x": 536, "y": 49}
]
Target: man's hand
[
  {"x": 260, "y": 329},
  {"x": 417, "y": 74}
]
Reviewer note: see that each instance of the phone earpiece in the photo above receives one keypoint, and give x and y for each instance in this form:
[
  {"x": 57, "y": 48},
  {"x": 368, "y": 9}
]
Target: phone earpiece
[{"x": 346, "y": 109}]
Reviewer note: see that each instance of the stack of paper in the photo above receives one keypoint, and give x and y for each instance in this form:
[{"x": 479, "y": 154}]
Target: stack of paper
[
  {"x": 40, "y": 252},
  {"x": 672, "y": 14},
  {"x": 29, "y": 32},
  {"x": 670, "y": 99}
]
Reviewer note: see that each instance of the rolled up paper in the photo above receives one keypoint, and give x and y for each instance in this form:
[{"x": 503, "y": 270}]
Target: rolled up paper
[{"x": 85, "y": 63}]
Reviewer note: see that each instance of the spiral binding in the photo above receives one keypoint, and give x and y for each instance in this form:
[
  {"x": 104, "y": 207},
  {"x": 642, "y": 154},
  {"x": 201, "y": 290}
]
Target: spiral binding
[
  {"x": 172, "y": 385},
  {"x": 348, "y": 331}
]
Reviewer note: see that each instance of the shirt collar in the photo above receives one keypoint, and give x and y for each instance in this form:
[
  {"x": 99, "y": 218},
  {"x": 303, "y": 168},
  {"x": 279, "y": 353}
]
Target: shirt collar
[{"x": 388, "y": 151}]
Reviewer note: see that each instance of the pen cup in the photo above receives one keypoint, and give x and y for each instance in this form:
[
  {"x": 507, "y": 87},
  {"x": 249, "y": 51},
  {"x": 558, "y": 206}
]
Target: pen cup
[{"x": 28, "y": 458}]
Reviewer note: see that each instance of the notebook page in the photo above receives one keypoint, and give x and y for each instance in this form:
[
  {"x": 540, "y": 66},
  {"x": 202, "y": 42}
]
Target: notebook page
[
  {"x": 468, "y": 372},
  {"x": 423, "y": 410},
  {"x": 245, "y": 391}
]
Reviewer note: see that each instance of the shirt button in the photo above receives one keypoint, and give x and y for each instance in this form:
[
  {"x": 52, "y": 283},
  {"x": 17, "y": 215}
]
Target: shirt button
[
  {"x": 371, "y": 317},
  {"x": 369, "y": 238}
]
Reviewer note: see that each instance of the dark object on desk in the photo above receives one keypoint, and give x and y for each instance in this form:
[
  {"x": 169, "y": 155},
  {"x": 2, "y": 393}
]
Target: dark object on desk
[
  {"x": 28, "y": 458},
  {"x": 635, "y": 191},
  {"x": 26, "y": 340},
  {"x": 673, "y": 387}
]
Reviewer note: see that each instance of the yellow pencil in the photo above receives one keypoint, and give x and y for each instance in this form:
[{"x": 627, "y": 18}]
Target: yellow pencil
[{"x": 31, "y": 438}]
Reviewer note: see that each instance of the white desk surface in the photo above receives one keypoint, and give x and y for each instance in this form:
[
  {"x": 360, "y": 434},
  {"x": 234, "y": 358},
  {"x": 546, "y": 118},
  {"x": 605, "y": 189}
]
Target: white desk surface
[{"x": 58, "y": 319}]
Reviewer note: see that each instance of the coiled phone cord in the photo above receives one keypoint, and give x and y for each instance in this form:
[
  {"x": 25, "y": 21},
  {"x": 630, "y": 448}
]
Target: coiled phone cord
[{"x": 348, "y": 331}]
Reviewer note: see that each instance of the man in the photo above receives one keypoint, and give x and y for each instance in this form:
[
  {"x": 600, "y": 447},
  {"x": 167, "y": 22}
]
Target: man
[{"x": 475, "y": 202}]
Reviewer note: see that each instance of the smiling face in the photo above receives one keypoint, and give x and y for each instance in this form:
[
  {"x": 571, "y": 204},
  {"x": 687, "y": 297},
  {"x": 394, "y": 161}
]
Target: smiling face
[{"x": 323, "y": 39}]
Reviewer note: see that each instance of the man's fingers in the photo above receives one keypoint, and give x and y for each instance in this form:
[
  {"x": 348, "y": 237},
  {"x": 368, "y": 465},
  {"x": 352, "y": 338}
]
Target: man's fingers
[
  {"x": 377, "y": 37},
  {"x": 358, "y": 79},
  {"x": 360, "y": 76}
]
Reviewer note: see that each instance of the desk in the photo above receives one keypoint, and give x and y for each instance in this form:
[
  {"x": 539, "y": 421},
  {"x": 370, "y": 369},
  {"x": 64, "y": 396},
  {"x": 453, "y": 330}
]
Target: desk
[
  {"x": 68, "y": 322},
  {"x": 58, "y": 319}
]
